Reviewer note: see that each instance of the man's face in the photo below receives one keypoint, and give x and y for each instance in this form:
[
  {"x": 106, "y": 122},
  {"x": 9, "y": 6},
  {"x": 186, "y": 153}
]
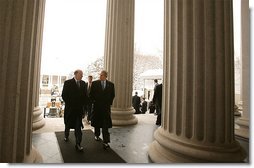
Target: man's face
[
  {"x": 90, "y": 79},
  {"x": 79, "y": 75},
  {"x": 102, "y": 76}
]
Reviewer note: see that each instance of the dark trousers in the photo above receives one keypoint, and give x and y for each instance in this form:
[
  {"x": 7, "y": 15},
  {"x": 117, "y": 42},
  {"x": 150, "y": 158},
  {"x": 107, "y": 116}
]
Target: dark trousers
[
  {"x": 89, "y": 111},
  {"x": 137, "y": 110},
  {"x": 158, "y": 121},
  {"x": 157, "y": 108},
  {"x": 77, "y": 132},
  {"x": 105, "y": 133}
]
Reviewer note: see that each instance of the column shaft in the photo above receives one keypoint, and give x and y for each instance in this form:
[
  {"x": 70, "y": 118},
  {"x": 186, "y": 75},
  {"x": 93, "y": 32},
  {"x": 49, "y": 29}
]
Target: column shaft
[
  {"x": 119, "y": 58},
  {"x": 198, "y": 84},
  {"x": 17, "y": 20},
  {"x": 38, "y": 119},
  {"x": 243, "y": 122}
]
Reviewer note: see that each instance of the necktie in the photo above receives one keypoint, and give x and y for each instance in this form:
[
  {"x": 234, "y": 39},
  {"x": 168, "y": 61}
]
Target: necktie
[
  {"x": 103, "y": 85},
  {"x": 89, "y": 88},
  {"x": 78, "y": 83}
]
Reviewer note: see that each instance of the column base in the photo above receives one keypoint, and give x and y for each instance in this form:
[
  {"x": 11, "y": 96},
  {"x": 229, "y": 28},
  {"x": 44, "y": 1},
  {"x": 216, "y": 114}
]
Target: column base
[
  {"x": 38, "y": 120},
  {"x": 243, "y": 127},
  {"x": 122, "y": 117},
  {"x": 33, "y": 157},
  {"x": 169, "y": 149}
]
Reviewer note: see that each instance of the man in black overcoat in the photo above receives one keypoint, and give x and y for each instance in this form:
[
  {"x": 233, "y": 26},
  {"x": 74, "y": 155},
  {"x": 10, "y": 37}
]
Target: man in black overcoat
[
  {"x": 136, "y": 103},
  {"x": 75, "y": 98},
  {"x": 102, "y": 94},
  {"x": 89, "y": 106},
  {"x": 157, "y": 100}
]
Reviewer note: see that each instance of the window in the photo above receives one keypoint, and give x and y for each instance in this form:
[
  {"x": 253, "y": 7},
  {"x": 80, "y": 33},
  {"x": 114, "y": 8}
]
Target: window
[{"x": 45, "y": 80}]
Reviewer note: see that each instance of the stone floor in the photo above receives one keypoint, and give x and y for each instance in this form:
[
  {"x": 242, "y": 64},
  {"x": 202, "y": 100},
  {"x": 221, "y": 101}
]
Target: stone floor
[
  {"x": 122, "y": 139},
  {"x": 129, "y": 142}
]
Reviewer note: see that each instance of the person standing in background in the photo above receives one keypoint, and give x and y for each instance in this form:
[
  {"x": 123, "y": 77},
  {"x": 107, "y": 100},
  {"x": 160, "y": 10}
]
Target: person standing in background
[
  {"x": 155, "y": 83},
  {"x": 144, "y": 106},
  {"x": 157, "y": 100},
  {"x": 151, "y": 107},
  {"x": 89, "y": 106},
  {"x": 156, "y": 107},
  {"x": 136, "y": 103},
  {"x": 75, "y": 98},
  {"x": 102, "y": 95}
]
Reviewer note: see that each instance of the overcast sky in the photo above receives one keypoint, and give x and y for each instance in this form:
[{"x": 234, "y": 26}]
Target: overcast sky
[{"x": 74, "y": 32}]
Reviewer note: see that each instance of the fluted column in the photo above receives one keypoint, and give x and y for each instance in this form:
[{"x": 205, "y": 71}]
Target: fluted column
[
  {"x": 243, "y": 122},
  {"x": 17, "y": 20},
  {"x": 198, "y": 85},
  {"x": 119, "y": 46},
  {"x": 38, "y": 119}
]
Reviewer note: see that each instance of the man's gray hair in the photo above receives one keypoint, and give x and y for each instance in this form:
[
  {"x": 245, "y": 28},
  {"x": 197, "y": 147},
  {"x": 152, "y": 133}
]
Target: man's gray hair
[
  {"x": 77, "y": 71},
  {"x": 104, "y": 72}
]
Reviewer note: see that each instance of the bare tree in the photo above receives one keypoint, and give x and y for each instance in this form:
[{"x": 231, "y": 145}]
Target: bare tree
[
  {"x": 95, "y": 67},
  {"x": 143, "y": 63}
]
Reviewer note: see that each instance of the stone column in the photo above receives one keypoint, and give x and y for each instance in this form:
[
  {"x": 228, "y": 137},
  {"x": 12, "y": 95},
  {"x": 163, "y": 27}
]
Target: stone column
[
  {"x": 38, "y": 118},
  {"x": 243, "y": 122},
  {"x": 198, "y": 85},
  {"x": 17, "y": 20},
  {"x": 119, "y": 48}
]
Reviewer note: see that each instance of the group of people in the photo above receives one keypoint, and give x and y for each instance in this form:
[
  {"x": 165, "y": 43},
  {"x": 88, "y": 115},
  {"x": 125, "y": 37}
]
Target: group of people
[
  {"x": 140, "y": 107},
  {"x": 154, "y": 105},
  {"x": 96, "y": 97}
]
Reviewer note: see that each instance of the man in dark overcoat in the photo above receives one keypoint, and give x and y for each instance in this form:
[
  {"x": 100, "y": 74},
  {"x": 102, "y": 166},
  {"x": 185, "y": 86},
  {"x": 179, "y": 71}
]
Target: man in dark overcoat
[
  {"x": 75, "y": 98},
  {"x": 157, "y": 100},
  {"x": 136, "y": 103},
  {"x": 102, "y": 94},
  {"x": 89, "y": 103}
]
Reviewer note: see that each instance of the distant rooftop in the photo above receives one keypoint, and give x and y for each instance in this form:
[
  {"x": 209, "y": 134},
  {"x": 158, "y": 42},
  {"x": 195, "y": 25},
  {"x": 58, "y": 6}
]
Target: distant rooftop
[{"x": 152, "y": 74}]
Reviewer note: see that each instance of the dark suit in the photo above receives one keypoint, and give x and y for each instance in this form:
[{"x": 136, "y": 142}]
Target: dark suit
[
  {"x": 101, "y": 115},
  {"x": 144, "y": 107},
  {"x": 157, "y": 100},
  {"x": 157, "y": 108},
  {"x": 75, "y": 99},
  {"x": 136, "y": 103},
  {"x": 89, "y": 106}
]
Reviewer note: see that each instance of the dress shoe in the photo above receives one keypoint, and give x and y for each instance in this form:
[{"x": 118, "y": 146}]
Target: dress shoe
[
  {"x": 66, "y": 139},
  {"x": 106, "y": 145},
  {"x": 97, "y": 138},
  {"x": 79, "y": 148},
  {"x": 158, "y": 123}
]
